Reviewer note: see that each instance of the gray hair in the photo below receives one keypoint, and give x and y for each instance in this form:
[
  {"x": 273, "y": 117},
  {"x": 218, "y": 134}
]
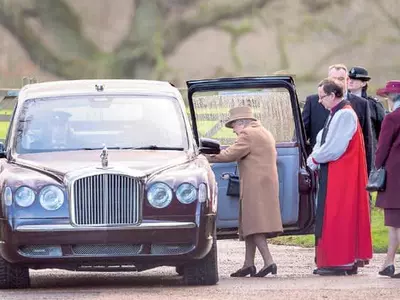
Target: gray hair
[
  {"x": 244, "y": 122},
  {"x": 395, "y": 97}
]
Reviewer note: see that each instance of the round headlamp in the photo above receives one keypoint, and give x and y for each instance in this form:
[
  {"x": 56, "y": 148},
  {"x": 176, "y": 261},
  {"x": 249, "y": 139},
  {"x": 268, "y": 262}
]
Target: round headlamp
[
  {"x": 186, "y": 193},
  {"x": 159, "y": 195},
  {"x": 51, "y": 197},
  {"x": 24, "y": 196}
]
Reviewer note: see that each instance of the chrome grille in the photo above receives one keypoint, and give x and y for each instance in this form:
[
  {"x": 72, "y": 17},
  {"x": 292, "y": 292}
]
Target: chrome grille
[{"x": 106, "y": 199}]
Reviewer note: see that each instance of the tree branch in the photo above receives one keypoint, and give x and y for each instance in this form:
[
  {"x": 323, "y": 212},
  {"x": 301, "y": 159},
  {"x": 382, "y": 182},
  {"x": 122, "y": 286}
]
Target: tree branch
[
  {"x": 142, "y": 44},
  {"x": 66, "y": 29},
  {"x": 281, "y": 39},
  {"x": 334, "y": 52},
  {"x": 13, "y": 16},
  {"x": 392, "y": 19},
  {"x": 206, "y": 16},
  {"x": 12, "y": 19},
  {"x": 350, "y": 39},
  {"x": 176, "y": 6},
  {"x": 236, "y": 32},
  {"x": 67, "y": 53}
]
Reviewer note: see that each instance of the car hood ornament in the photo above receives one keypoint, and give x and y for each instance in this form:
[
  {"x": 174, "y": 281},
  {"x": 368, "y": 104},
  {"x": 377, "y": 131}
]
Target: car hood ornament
[{"x": 104, "y": 157}]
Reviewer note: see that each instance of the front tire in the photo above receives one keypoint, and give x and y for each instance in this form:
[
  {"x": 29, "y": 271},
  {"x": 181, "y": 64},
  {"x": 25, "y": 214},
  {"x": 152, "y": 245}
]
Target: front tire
[
  {"x": 203, "y": 271},
  {"x": 179, "y": 270},
  {"x": 13, "y": 276}
]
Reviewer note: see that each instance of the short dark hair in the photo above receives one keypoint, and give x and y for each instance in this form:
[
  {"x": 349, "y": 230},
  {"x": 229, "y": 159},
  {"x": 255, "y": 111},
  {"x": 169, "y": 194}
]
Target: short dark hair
[{"x": 332, "y": 86}]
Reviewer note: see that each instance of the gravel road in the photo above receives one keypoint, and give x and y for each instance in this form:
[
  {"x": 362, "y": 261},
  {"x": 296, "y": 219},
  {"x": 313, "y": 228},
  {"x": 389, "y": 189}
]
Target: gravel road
[{"x": 294, "y": 281}]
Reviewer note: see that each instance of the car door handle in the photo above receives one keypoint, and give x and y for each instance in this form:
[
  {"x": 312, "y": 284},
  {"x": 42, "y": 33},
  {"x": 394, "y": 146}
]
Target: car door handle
[{"x": 227, "y": 175}]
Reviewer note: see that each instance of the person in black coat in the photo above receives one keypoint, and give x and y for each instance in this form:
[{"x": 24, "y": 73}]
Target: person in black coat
[
  {"x": 314, "y": 114},
  {"x": 358, "y": 85}
]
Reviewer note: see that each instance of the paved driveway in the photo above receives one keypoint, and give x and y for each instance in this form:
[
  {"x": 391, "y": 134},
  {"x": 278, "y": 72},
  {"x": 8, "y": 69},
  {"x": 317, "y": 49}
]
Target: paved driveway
[{"x": 294, "y": 281}]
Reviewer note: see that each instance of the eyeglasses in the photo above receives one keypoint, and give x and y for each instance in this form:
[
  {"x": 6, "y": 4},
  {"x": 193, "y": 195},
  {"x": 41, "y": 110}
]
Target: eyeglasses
[{"x": 326, "y": 95}]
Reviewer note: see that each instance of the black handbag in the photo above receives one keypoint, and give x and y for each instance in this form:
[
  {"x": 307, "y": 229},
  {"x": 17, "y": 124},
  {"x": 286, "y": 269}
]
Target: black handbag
[
  {"x": 233, "y": 185},
  {"x": 377, "y": 180}
]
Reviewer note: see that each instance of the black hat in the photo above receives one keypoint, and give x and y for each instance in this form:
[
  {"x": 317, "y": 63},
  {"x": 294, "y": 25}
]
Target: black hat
[{"x": 359, "y": 73}]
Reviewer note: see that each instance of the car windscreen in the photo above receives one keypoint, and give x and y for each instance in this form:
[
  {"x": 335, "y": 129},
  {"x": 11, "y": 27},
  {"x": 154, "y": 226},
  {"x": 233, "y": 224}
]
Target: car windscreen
[{"x": 92, "y": 122}]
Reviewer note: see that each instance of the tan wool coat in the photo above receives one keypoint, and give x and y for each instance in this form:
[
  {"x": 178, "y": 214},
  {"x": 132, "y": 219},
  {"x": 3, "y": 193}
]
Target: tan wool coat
[{"x": 255, "y": 152}]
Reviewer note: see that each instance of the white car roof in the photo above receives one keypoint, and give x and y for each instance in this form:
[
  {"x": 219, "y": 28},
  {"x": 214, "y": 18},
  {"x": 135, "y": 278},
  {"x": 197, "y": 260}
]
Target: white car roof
[{"x": 88, "y": 87}]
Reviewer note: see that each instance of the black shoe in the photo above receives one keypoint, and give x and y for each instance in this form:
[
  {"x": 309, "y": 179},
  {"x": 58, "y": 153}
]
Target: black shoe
[
  {"x": 360, "y": 263},
  {"x": 331, "y": 272},
  {"x": 388, "y": 271},
  {"x": 272, "y": 268},
  {"x": 353, "y": 271},
  {"x": 244, "y": 272},
  {"x": 397, "y": 276}
]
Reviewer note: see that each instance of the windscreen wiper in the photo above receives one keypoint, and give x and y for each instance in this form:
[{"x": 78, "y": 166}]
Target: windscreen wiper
[
  {"x": 149, "y": 147},
  {"x": 155, "y": 147},
  {"x": 108, "y": 148}
]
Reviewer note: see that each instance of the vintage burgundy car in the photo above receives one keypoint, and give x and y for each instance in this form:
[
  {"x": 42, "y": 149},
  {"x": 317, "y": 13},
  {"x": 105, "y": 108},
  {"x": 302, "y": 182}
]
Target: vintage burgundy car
[
  {"x": 108, "y": 175},
  {"x": 105, "y": 175}
]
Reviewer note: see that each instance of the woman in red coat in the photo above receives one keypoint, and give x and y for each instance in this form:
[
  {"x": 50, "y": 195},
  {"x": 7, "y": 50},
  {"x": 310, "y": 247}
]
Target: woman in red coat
[{"x": 388, "y": 156}]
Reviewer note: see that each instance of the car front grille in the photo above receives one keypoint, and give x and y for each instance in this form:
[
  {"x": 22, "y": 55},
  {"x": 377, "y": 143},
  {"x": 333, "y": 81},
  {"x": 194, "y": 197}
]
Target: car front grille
[{"x": 106, "y": 199}]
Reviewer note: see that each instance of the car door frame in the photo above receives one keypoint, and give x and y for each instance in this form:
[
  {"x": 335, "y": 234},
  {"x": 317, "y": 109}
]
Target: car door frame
[{"x": 307, "y": 180}]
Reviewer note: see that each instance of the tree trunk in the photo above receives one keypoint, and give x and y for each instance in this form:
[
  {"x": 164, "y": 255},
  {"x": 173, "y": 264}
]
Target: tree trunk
[{"x": 157, "y": 29}]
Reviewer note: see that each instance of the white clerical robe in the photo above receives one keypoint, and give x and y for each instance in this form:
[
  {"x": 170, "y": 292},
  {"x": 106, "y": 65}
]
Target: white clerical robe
[{"x": 343, "y": 126}]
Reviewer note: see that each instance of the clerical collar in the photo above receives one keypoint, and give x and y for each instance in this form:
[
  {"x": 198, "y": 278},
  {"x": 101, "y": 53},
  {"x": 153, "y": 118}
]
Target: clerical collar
[{"x": 338, "y": 106}]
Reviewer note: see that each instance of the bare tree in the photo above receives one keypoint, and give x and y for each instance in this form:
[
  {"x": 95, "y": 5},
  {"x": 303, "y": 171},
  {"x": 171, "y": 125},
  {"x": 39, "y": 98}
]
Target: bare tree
[
  {"x": 392, "y": 16},
  {"x": 338, "y": 37},
  {"x": 157, "y": 28}
]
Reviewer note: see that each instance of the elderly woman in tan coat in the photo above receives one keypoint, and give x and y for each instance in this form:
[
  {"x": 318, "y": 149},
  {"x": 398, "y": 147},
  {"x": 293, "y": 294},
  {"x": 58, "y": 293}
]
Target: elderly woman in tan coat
[{"x": 254, "y": 150}]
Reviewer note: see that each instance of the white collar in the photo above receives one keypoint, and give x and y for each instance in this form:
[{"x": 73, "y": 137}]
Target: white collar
[
  {"x": 358, "y": 93},
  {"x": 396, "y": 105}
]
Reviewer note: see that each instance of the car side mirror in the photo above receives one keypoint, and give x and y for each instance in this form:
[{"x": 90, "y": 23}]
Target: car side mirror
[
  {"x": 2, "y": 150},
  {"x": 209, "y": 146}
]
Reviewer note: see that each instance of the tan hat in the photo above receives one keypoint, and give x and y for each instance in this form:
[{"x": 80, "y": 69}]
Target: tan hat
[{"x": 239, "y": 113}]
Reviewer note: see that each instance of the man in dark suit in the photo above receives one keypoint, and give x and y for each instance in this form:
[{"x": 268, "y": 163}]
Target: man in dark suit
[
  {"x": 314, "y": 114},
  {"x": 358, "y": 85}
]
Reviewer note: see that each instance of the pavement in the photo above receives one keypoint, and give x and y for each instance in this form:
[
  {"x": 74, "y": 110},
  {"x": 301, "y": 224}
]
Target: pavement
[{"x": 293, "y": 281}]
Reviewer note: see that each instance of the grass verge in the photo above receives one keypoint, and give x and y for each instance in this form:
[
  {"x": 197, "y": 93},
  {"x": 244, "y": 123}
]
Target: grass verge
[{"x": 3, "y": 129}]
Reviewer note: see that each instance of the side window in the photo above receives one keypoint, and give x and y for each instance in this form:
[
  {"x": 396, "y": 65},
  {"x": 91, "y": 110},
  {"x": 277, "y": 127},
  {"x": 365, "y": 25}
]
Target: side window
[
  {"x": 7, "y": 132},
  {"x": 272, "y": 107}
]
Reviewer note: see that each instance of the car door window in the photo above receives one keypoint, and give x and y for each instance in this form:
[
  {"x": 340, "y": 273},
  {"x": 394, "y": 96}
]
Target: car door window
[{"x": 272, "y": 107}]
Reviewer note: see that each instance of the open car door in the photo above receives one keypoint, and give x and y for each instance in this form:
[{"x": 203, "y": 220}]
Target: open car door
[{"x": 275, "y": 104}]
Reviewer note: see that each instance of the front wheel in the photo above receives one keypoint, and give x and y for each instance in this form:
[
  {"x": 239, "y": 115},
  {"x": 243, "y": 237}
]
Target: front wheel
[
  {"x": 13, "y": 276},
  {"x": 179, "y": 270},
  {"x": 203, "y": 271}
]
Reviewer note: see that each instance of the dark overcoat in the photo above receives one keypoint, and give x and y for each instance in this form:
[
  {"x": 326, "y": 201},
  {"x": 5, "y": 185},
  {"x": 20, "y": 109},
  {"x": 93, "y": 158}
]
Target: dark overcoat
[{"x": 388, "y": 155}]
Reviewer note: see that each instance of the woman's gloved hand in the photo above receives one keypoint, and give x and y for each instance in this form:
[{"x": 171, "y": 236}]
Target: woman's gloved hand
[{"x": 311, "y": 164}]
